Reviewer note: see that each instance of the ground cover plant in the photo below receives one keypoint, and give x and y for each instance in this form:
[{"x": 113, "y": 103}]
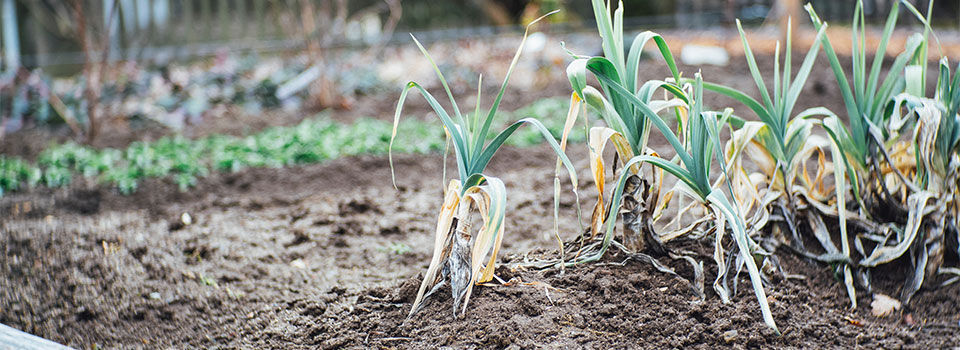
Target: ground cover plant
[{"x": 183, "y": 160}]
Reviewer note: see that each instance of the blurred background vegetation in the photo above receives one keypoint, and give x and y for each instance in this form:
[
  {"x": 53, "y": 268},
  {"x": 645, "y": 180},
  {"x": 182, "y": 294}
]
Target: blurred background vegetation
[{"x": 45, "y": 33}]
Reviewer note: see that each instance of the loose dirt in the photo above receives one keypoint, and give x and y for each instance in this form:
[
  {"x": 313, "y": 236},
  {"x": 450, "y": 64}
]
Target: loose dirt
[{"x": 329, "y": 256}]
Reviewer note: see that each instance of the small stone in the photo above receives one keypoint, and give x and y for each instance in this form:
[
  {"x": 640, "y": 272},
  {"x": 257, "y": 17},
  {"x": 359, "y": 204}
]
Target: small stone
[
  {"x": 883, "y": 306},
  {"x": 908, "y": 320},
  {"x": 536, "y": 42},
  {"x": 730, "y": 336},
  {"x": 186, "y": 219},
  {"x": 298, "y": 264},
  {"x": 155, "y": 296},
  {"x": 697, "y": 55}
]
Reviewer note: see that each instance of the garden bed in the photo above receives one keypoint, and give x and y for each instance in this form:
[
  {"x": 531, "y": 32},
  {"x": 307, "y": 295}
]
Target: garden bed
[{"x": 328, "y": 255}]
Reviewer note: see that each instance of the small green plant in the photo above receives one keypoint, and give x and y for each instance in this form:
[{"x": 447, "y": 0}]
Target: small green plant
[
  {"x": 459, "y": 258},
  {"x": 209, "y": 281},
  {"x": 15, "y": 173},
  {"x": 397, "y": 248},
  {"x": 186, "y": 161}
]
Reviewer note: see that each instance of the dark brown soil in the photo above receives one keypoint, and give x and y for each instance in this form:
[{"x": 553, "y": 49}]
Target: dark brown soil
[
  {"x": 610, "y": 306},
  {"x": 329, "y": 256}
]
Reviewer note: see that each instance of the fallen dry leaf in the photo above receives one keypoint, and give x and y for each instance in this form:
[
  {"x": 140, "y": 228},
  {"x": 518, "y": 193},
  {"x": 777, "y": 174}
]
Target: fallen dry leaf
[
  {"x": 908, "y": 320},
  {"x": 853, "y": 321},
  {"x": 883, "y": 305}
]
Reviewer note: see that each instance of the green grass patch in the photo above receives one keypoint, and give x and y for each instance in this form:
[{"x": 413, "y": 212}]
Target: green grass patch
[{"x": 186, "y": 160}]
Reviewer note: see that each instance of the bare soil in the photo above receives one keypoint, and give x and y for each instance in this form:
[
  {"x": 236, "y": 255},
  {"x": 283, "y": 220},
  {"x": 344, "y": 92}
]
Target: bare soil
[{"x": 329, "y": 256}]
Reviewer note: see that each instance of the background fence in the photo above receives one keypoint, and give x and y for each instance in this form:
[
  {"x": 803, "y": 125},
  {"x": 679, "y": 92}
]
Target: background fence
[{"x": 45, "y": 32}]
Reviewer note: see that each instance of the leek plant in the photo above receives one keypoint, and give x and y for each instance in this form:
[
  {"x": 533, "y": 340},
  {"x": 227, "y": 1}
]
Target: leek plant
[
  {"x": 629, "y": 112},
  {"x": 939, "y": 172},
  {"x": 883, "y": 170},
  {"x": 932, "y": 208},
  {"x": 461, "y": 258},
  {"x": 867, "y": 101},
  {"x": 627, "y": 127},
  {"x": 780, "y": 143}
]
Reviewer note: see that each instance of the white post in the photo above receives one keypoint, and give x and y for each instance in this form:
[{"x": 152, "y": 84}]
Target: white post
[
  {"x": 143, "y": 15},
  {"x": 11, "y": 36},
  {"x": 128, "y": 10},
  {"x": 112, "y": 26},
  {"x": 161, "y": 13}
]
